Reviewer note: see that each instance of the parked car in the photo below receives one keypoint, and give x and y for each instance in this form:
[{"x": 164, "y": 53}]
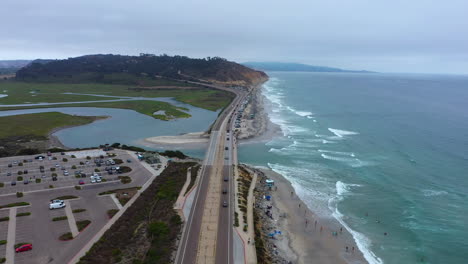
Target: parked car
[
  {"x": 54, "y": 178},
  {"x": 53, "y": 206},
  {"x": 10, "y": 165},
  {"x": 22, "y": 248},
  {"x": 13, "y": 183},
  {"x": 26, "y": 181},
  {"x": 8, "y": 174},
  {"x": 56, "y": 201}
]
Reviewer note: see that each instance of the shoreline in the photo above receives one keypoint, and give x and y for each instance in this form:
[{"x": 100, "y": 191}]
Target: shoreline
[
  {"x": 302, "y": 240},
  {"x": 257, "y": 130},
  {"x": 54, "y": 142}
]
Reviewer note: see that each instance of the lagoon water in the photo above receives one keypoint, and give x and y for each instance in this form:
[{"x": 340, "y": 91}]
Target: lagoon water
[
  {"x": 380, "y": 153},
  {"x": 125, "y": 126}
]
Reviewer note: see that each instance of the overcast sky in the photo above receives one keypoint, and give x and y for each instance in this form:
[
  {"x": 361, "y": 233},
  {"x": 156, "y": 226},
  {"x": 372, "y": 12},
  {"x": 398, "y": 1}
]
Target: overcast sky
[{"x": 381, "y": 35}]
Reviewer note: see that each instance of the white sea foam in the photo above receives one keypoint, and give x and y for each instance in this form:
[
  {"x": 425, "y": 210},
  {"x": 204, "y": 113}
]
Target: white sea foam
[
  {"x": 341, "y": 133},
  {"x": 429, "y": 192},
  {"x": 303, "y": 113},
  {"x": 337, "y": 152},
  {"x": 310, "y": 117},
  {"x": 353, "y": 162},
  {"x": 362, "y": 242}
]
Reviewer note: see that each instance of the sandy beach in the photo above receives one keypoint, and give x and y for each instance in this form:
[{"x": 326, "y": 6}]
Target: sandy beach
[
  {"x": 186, "y": 141},
  {"x": 302, "y": 241},
  {"x": 253, "y": 130}
]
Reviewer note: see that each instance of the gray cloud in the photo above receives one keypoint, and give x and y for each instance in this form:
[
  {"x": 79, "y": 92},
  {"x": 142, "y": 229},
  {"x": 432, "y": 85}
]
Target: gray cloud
[{"x": 393, "y": 36}]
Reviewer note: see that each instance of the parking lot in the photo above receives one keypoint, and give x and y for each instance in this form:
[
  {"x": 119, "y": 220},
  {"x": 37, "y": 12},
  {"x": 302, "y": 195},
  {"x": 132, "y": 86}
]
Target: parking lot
[
  {"x": 38, "y": 227},
  {"x": 27, "y": 173}
]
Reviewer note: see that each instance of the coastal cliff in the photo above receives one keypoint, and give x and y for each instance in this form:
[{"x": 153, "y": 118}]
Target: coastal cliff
[{"x": 109, "y": 68}]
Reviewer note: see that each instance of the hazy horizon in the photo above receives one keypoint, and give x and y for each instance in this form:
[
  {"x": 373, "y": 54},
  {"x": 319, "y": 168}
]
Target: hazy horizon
[{"x": 401, "y": 36}]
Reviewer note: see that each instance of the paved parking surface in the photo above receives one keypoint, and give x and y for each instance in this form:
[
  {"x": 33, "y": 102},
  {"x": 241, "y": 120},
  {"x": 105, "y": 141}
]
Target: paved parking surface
[
  {"x": 28, "y": 168},
  {"x": 40, "y": 230}
]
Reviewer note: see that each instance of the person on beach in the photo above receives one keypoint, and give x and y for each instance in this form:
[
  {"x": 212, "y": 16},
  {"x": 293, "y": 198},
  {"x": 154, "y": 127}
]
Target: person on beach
[
  {"x": 346, "y": 248},
  {"x": 307, "y": 221},
  {"x": 321, "y": 228},
  {"x": 315, "y": 225},
  {"x": 341, "y": 230}
]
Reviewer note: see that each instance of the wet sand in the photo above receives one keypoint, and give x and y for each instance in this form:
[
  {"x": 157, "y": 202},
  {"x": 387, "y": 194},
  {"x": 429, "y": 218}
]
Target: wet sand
[{"x": 303, "y": 242}]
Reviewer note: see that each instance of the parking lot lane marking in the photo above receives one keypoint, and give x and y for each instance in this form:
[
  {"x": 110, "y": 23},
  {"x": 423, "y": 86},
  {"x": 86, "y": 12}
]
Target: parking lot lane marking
[
  {"x": 116, "y": 201},
  {"x": 71, "y": 219},
  {"x": 11, "y": 237}
]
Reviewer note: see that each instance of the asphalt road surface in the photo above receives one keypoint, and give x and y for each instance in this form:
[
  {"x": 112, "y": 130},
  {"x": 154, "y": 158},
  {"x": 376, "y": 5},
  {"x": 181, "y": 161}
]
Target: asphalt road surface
[{"x": 188, "y": 247}]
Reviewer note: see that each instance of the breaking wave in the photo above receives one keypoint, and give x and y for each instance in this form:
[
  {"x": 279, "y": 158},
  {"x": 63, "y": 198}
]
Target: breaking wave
[{"x": 342, "y": 133}]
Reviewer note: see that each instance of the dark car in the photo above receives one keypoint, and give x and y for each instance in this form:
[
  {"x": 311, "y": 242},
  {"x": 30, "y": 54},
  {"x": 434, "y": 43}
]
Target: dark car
[
  {"x": 8, "y": 174},
  {"x": 224, "y": 191},
  {"x": 13, "y": 183},
  {"x": 22, "y": 248},
  {"x": 129, "y": 161},
  {"x": 225, "y": 204},
  {"x": 26, "y": 181},
  {"x": 9, "y": 165},
  {"x": 226, "y": 179},
  {"x": 54, "y": 178}
]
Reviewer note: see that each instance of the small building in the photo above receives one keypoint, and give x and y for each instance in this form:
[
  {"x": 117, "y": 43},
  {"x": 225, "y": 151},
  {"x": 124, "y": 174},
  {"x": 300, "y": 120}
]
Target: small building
[{"x": 269, "y": 183}]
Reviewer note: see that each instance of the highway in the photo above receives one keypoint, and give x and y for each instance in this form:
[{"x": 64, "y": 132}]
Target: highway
[{"x": 198, "y": 242}]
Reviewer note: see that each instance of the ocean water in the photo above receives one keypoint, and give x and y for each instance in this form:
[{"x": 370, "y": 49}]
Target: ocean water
[{"x": 381, "y": 153}]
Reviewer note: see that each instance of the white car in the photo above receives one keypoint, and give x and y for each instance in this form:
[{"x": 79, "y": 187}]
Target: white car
[{"x": 56, "y": 205}]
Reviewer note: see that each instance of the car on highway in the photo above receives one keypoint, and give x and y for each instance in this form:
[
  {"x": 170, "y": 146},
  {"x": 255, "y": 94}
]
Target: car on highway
[
  {"x": 81, "y": 182},
  {"x": 23, "y": 248},
  {"x": 53, "y": 206},
  {"x": 224, "y": 191},
  {"x": 225, "y": 204},
  {"x": 226, "y": 148},
  {"x": 226, "y": 179},
  {"x": 39, "y": 157}
]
